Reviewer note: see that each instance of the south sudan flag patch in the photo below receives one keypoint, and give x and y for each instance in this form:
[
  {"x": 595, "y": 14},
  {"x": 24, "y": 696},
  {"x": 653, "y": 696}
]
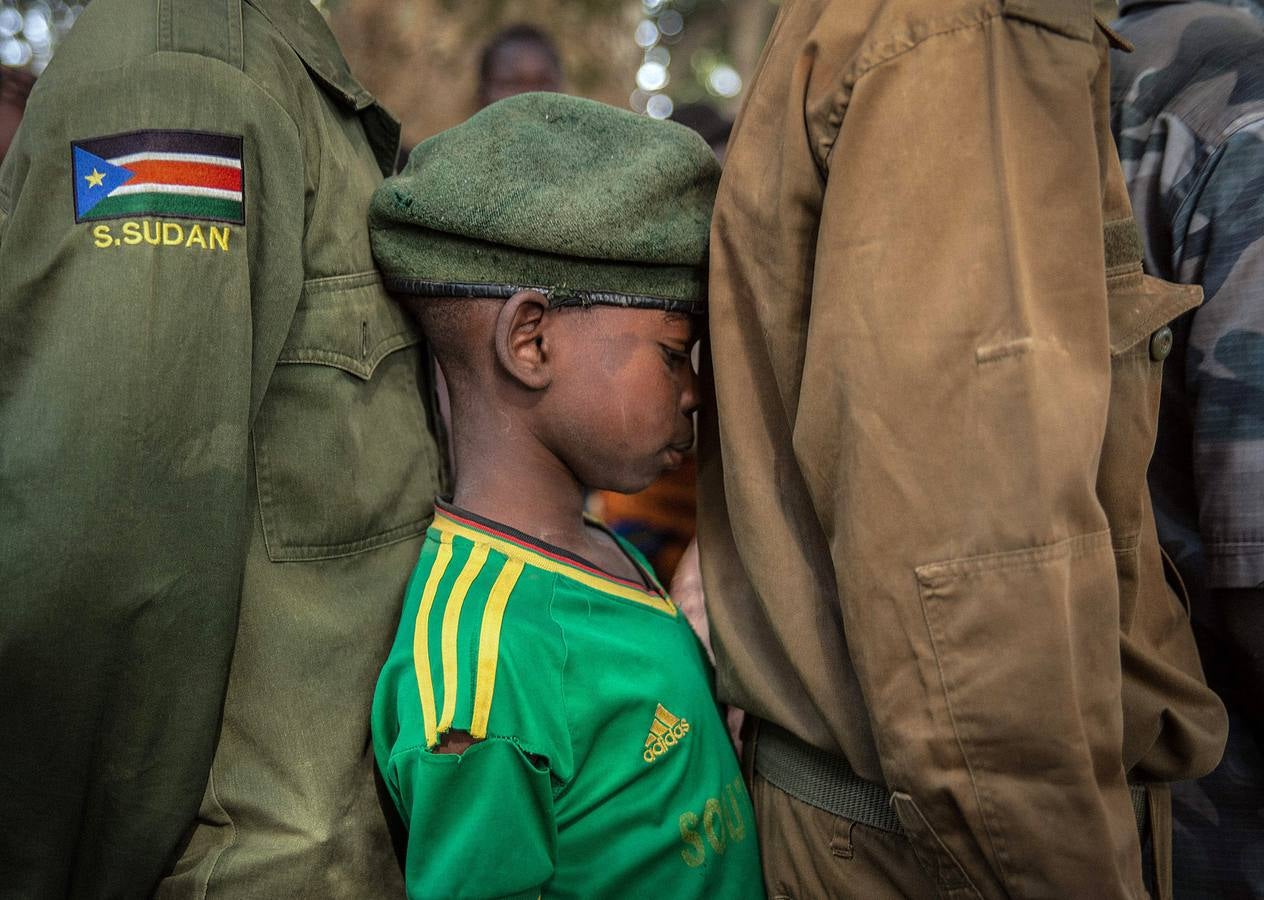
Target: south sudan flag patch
[{"x": 176, "y": 174}]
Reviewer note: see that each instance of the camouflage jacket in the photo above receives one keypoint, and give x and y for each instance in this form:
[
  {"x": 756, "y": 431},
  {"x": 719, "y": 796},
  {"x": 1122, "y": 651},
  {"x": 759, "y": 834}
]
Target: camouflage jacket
[{"x": 1188, "y": 116}]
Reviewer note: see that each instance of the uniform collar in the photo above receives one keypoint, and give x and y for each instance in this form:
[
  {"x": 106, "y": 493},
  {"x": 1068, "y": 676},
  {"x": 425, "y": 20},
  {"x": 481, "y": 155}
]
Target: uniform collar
[{"x": 305, "y": 30}]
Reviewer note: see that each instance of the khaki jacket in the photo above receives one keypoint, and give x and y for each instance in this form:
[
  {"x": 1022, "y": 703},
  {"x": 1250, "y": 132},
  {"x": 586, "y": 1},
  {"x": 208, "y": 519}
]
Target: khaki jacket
[
  {"x": 215, "y": 471},
  {"x": 926, "y": 539}
]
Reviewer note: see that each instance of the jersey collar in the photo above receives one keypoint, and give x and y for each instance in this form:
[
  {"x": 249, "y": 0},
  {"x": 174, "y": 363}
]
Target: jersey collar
[{"x": 453, "y": 521}]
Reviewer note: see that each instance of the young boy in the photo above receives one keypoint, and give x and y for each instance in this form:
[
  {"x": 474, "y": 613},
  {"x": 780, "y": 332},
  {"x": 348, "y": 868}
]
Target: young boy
[{"x": 545, "y": 723}]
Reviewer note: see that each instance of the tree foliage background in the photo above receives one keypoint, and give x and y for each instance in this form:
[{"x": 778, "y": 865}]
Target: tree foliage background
[{"x": 420, "y": 56}]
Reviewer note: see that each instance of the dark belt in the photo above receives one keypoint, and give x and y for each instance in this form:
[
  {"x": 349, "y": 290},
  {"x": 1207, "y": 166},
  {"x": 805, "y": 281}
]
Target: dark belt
[{"x": 827, "y": 782}]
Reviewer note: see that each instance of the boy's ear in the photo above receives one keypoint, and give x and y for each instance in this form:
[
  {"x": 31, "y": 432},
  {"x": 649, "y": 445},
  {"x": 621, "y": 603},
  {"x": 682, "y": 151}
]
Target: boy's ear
[{"x": 522, "y": 340}]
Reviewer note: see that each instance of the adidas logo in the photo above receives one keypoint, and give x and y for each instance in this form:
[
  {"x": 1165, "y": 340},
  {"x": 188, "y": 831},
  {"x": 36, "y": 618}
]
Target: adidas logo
[{"x": 666, "y": 731}]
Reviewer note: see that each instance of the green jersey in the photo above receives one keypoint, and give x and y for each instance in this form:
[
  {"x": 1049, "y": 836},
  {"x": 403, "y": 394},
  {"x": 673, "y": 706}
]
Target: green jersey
[{"x": 602, "y": 767}]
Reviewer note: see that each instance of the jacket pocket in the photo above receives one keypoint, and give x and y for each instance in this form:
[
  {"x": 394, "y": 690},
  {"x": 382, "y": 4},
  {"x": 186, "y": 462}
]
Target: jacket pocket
[
  {"x": 1140, "y": 308},
  {"x": 1141, "y": 304},
  {"x": 343, "y": 458},
  {"x": 931, "y": 852},
  {"x": 1026, "y": 646}
]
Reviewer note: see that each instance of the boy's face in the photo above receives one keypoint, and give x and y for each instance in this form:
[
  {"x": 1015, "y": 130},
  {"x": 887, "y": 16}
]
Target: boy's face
[{"x": 623, "y": 394}]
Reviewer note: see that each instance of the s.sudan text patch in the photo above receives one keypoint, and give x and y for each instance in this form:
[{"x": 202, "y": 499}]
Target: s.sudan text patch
[{"x": 174, "y": 174}]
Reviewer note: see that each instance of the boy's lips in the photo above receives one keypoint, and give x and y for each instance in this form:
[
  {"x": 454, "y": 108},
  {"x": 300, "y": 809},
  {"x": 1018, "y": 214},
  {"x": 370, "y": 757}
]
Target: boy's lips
[{"x": 676, "y": 452}]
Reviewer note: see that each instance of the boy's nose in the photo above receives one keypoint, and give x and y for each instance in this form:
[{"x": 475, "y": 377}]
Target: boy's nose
[{"x": 689, "y": 396}]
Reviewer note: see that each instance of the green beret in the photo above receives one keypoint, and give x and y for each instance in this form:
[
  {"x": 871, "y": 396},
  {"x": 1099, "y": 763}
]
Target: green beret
[{"x": 579, "y": 200}]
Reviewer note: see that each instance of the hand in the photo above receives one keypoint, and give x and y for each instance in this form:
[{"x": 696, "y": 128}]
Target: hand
[{"x": 686, "y": 591}]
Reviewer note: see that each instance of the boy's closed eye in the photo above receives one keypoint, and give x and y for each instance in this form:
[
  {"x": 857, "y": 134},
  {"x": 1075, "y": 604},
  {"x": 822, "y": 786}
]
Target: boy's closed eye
[
  {"x": 681, "y": 334},
  {"x": 676, "y": 356}
]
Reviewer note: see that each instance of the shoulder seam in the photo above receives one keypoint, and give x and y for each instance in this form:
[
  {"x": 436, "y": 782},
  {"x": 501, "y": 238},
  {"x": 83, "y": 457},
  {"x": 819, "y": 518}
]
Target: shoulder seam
[
  {"x": 239, "y": 73},
  {"x": 863, "y": 67},
  {"x": 986, "y": 17}
]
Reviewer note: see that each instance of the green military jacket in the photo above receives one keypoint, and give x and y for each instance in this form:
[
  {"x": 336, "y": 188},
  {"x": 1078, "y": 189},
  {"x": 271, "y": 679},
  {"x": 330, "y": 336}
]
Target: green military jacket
[{"x": 215, "y": 461}]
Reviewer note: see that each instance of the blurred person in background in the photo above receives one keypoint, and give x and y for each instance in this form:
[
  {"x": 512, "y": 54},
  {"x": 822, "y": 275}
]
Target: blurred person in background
[
  {"x": 705, "y": 119},
  {"x": 927, "y": 546},
  {"x": 1188, "y": 115},
  {"x": 15, "y": 87},
  {"x": 517, "y": 60}
]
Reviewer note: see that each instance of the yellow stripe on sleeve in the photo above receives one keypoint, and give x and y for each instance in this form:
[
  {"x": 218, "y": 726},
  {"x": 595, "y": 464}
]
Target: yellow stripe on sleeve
[
  {"x": 489, "y": 645},
  {"x": 421, "y": 643},
  {"x": 451, "y": 619}
]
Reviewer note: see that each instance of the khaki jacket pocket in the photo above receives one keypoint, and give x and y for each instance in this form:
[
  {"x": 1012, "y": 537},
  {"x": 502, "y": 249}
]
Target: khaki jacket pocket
[
  {"x": 935, "y": 858},
  {"x": 1173, "y": 725},
  {"x": 1141, "y": 304},
  {"x": 1026, "y": 645},
  {"x": 1140, "y": 308},
  {"x": 343, "y": 458}
]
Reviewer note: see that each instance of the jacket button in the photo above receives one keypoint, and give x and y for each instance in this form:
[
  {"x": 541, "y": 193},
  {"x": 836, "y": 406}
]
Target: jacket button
[{"x": 1161, "y": 344}]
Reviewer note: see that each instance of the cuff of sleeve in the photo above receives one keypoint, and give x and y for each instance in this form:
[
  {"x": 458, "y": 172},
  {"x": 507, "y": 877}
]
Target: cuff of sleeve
[{"x": 1235, "y": 564}]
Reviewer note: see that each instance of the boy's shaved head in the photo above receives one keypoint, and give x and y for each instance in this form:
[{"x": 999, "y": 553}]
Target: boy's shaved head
[{"x": 461, "y": 331}]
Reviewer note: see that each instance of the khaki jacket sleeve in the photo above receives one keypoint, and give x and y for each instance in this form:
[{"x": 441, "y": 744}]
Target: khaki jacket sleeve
[
  {"x": 135, "y": 350},
  {"x": 959, "y": 338}
]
